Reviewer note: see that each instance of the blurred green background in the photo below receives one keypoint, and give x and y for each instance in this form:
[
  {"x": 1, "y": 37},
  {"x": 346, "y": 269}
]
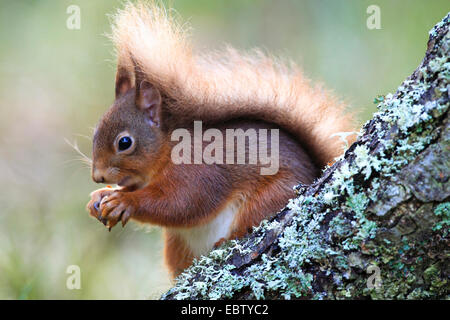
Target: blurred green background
[{"x": 57, "y": 82}]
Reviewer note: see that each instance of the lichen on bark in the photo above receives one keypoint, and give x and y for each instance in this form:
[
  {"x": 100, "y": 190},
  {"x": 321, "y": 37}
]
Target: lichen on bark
[{"x": 382, "y": 207}]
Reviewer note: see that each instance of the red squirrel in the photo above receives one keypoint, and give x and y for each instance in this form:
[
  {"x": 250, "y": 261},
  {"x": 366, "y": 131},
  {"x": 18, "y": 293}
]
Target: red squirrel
[{"x": 162, "y": 86}]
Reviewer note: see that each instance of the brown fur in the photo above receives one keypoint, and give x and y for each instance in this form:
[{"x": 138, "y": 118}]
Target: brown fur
[
  {"x": 219, "y": 85},
  {"x": 162, "y": 86}
]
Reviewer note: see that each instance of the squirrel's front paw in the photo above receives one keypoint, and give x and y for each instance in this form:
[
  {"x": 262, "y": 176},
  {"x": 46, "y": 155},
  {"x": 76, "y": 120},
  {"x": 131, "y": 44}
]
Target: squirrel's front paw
[
  {"x": 93, "y": 205},
  {"x": 116, "y": 207}
]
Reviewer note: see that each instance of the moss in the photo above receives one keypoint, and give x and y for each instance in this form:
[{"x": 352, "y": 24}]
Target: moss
[
  {"x": 443, "y": 212},
  {"x": 430, "y": 273},
  {"x": 432, "y": 276}
]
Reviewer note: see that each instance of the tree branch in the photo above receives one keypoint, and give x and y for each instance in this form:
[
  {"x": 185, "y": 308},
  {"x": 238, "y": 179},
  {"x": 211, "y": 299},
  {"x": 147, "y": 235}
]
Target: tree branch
[{"x": 375, "y": 225}]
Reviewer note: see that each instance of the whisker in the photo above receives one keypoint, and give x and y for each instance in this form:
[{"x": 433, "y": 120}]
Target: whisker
[
  {"x": 71, "y": 163},
  {"x": 83, "y": 136},
  {"x": 85, "y": 163},
  {"x": 73, "y": 160},
  {"x": 84, "y": 158}
]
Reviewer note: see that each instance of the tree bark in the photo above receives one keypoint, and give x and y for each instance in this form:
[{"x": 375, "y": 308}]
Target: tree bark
[{"x": 375, "y": 225}]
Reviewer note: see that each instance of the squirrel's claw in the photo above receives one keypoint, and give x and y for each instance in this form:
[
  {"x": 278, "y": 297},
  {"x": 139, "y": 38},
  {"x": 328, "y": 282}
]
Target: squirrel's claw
[
  {"x": 115, "y": 208},
  {"x": 94, "y": 205}
]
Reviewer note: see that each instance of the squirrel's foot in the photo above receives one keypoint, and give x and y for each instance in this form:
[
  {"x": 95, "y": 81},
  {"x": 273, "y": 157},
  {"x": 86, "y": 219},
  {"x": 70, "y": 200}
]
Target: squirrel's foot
[
  {"x": 219, "y": 243},
  {"x": 119, "y": 206}
]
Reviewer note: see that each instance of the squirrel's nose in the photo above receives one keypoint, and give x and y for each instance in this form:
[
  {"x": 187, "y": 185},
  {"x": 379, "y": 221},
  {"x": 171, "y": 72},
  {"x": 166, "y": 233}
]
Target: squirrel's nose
[
  {"x": 99, "y": 180},
  {"x": 98, "y": 176}
]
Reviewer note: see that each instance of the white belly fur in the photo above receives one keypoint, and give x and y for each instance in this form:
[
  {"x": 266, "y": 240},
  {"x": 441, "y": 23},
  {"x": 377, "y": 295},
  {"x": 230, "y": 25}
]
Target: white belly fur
[{"x": 201, "y": 239}]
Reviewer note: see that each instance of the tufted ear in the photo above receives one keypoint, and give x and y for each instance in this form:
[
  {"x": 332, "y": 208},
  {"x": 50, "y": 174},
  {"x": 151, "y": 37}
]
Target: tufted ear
[
  {"x": 149, "y": 100},
  {"x": 123, "y": 81}
]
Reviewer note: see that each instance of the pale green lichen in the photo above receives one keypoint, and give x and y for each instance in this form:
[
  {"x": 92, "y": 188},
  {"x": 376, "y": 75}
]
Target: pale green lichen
[
  {"x": 328, "y": 197},
  {"x": 404, "y": 127},
  {"x": 443, "y": 212},
  {"x": 365, "y": 162}
]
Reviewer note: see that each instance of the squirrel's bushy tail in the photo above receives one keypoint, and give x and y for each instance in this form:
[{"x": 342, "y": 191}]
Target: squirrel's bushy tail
[{"x": 228, "y": 84}]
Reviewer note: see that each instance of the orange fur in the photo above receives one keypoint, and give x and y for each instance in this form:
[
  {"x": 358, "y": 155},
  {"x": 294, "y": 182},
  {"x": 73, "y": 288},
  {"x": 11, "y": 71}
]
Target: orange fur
[
  {"x": 219, "y": 85},
  {"x": 228, "y": 90},
  {"x": 176, "y": 254}
]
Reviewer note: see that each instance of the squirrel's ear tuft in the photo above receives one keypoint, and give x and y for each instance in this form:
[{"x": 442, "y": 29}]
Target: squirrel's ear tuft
[
  {"x": 123, "y": 81},
  {"x": 149, "y": 100}
]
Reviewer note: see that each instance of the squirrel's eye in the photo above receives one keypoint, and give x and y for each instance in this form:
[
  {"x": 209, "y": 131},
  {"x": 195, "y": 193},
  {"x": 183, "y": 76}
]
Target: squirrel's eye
[{"x": 125, "y": 143}]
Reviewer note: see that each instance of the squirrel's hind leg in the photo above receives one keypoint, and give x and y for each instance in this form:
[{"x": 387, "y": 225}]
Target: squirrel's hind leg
[{"x": 177, "y": 255}]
